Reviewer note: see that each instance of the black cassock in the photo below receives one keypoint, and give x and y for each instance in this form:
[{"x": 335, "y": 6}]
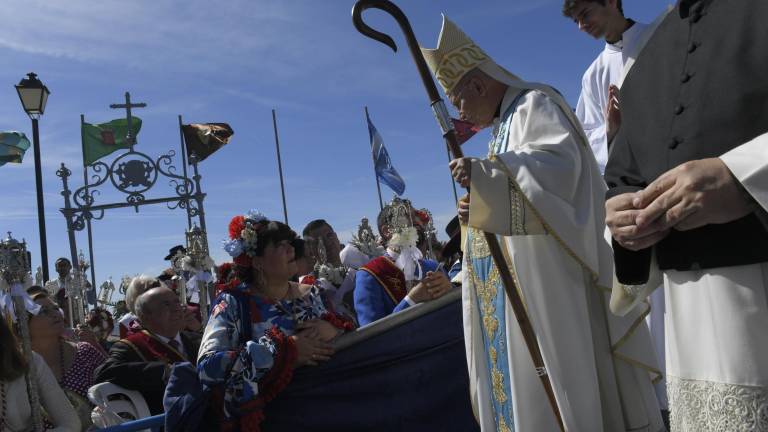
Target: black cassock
[{"x": 698, "y": 89}]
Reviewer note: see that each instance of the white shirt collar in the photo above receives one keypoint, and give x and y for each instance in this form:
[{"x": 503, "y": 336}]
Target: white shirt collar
[{"x": 627, "y": 38}]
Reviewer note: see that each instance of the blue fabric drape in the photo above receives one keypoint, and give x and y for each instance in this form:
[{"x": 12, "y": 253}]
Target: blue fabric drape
[{"x": 410, "y": 378}]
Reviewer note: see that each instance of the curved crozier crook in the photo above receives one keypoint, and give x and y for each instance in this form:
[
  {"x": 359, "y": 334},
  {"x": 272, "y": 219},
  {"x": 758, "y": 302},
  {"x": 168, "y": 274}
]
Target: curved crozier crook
[{"x": 365, "y": 29}]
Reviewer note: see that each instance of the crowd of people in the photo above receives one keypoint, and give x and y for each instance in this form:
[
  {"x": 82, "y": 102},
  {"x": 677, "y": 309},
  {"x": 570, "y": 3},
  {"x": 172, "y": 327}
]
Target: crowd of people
[
  {"x": 653, "y": 187},
  {"x": 275, "y": 307}
]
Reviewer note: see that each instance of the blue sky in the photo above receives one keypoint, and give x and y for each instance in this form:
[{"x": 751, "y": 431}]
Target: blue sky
[{"x": 234, "y": 62}]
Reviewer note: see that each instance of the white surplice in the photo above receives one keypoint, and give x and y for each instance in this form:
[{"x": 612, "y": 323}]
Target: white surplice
[
  {"x": 606, "y": 70},
  {"x": 542, "y": 193},
  {"x": 717, "y": 328}
]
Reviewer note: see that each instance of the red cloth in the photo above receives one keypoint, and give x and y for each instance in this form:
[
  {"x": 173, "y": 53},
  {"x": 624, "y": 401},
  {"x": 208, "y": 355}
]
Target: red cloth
[{"x": 389, "y": 276}]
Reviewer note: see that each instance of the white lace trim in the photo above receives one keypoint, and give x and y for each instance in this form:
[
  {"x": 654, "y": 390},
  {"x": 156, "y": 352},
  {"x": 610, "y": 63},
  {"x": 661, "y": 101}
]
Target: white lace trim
[{"x": 706, "y": 406}]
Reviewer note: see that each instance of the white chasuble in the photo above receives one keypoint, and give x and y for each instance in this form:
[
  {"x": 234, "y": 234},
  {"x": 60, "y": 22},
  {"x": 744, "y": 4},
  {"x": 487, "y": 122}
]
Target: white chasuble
[{"x": 542, "y": 194}]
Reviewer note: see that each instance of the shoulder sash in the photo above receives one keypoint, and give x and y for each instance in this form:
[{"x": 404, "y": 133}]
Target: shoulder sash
[{"x": 389, "y": 276}]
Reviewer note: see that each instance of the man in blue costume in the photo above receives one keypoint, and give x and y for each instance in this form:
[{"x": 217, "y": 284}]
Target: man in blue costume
[{"x": 400, "y": 278}]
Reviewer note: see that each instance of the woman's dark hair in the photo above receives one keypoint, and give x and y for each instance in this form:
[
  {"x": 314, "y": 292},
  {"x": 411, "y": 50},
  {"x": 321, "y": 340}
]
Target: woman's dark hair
[
  {"x": 271, "y": 232},
  {"x": 12, "y": 362}
]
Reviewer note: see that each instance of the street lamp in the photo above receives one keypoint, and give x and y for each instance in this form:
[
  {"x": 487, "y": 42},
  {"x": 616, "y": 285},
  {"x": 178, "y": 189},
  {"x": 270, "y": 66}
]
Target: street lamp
[{"x": 34, "y": 95}]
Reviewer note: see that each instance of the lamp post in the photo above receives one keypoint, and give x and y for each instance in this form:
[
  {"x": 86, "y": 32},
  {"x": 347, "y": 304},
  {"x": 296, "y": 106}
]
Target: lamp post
[{"x": 34, "y": 95}]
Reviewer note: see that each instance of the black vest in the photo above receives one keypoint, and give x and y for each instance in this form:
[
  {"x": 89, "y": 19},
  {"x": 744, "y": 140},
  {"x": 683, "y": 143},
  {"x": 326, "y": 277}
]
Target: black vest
[{"x": 698, "y": 89}]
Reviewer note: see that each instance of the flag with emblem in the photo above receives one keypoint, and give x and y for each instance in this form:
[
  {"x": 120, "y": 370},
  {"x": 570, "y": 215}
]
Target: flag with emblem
[{"x": 100, "y": 140}]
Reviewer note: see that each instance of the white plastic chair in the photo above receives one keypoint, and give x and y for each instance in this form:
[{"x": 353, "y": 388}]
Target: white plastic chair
[{"x": 116, "y": 405}]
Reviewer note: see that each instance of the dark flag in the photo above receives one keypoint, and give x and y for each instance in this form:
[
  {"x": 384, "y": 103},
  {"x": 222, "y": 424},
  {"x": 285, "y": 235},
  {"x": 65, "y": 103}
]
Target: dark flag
[{"x": 203, "y": 139}]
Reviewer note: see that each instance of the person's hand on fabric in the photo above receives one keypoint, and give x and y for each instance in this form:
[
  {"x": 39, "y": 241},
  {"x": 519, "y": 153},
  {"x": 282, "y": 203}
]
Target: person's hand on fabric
[
  {"x": 437, "y": 284},
  {"x": 431, "y": 287},
  {"x": 691, "y": 195},
  {"x": 461, "y": 170},
  {"x": 463, "y": 209},
  {"x": 612, "y": 113},
  {"x": 310, "y": 349},
  {"x": 620, "y": 216},
  {"x": 325, "y": 330},
  {"x": 419, "y": 293}
]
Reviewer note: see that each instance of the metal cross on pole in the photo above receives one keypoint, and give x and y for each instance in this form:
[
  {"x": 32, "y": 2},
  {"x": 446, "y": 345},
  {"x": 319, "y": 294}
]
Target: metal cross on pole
[{"x": 128, "y": 105}]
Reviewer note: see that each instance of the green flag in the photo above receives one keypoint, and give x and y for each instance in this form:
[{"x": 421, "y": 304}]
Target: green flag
[{"x": 100, "y": 140}]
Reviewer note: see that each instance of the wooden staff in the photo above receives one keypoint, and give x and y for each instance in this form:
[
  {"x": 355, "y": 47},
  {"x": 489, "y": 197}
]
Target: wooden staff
[{"x": 449, "y": 134}]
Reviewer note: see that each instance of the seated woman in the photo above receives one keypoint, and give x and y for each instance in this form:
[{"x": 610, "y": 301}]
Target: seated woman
[
  {"x": 14, "y": 399},
  {"x": 265, "y": 327},
  {"x": 72, "y": 364}
]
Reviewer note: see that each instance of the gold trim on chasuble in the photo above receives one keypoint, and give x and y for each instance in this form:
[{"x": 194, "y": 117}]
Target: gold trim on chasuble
[
  {"x": 486, "y": 292},
  {"x": 658, "y": 375}
]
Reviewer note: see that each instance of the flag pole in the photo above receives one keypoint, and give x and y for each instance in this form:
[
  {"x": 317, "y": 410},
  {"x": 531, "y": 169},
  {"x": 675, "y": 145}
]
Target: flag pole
[
  {"x": 373, "y": 158},
  {"x": 280, "y": 165},
  {"x": 88, "y": 220},
  {"x": 184, "y": 164}
]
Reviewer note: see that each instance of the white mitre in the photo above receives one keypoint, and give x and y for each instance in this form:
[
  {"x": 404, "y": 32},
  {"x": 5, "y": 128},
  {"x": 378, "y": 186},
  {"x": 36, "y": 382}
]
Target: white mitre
[{"x": 456, "y": 54}]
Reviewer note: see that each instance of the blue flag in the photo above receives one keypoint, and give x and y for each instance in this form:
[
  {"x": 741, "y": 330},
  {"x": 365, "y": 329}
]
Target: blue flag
[
  {"x": 382, "y": 164},
  {"x": 13, "y": 145}
]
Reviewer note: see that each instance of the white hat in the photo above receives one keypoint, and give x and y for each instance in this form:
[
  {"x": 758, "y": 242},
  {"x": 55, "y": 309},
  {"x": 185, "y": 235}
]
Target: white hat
[{"x": 456, "y": 54}]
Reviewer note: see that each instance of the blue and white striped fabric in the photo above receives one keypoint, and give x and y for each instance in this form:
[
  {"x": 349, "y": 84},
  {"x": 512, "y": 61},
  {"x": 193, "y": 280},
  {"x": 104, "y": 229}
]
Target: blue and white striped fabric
[
  {"x": 13, "y": 145},
  {"x": 382, "y": 164}
]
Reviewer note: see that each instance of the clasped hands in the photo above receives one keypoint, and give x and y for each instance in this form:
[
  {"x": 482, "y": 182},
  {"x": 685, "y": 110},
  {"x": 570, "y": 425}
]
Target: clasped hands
[
  {"x": 312, "y": 341},
  {"x": 691, "y": 195}
]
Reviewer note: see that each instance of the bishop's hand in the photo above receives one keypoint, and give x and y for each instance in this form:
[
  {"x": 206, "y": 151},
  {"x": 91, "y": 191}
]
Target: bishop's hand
[
  {"x": 691, "y": 195},
  {"x": 463, "y": 209},
  {"x": 461, "y": 170}
]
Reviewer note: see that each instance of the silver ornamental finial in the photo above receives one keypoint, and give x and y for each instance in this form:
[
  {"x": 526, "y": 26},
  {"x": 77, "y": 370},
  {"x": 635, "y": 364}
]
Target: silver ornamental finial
[{"x": 14, "y": 265}]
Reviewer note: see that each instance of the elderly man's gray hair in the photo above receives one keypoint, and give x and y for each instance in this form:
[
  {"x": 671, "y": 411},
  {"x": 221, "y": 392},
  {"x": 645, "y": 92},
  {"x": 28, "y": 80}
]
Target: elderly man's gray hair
[{"x": 138, "y": 286}]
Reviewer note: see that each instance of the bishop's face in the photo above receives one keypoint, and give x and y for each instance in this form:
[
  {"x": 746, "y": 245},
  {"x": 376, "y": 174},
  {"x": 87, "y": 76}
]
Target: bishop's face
[{"x": 470, "y": 99}]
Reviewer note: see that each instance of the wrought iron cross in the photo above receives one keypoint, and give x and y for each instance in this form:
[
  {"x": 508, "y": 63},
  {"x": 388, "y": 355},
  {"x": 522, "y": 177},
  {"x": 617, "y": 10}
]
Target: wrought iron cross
[{"x": 128, "y": 105}]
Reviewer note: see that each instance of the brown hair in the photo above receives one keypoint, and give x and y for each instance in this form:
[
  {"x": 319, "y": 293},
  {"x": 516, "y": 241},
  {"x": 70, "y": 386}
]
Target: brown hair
[
  {"x": 569, "y": 5},
  {"x": 12, "y": 362}
]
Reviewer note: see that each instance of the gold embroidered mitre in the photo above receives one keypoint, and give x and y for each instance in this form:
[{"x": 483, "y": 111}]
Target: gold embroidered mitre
[{"x": 455, "y": 55}]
